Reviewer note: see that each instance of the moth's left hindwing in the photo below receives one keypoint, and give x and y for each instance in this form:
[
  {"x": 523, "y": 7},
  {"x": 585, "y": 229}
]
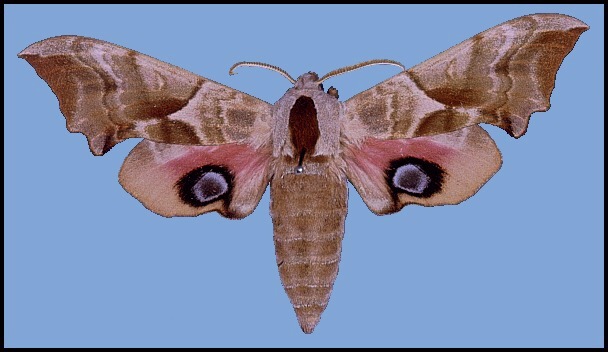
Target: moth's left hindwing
[{"x": 433, "y": 170}]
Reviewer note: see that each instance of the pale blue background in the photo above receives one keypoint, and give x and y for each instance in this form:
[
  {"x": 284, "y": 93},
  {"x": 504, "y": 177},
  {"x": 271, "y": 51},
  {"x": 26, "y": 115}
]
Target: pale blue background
[{"x": 519, "y": 264}]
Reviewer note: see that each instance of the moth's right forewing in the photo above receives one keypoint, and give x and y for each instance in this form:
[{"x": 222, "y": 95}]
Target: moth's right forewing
[{"x": 110, "y": 93}]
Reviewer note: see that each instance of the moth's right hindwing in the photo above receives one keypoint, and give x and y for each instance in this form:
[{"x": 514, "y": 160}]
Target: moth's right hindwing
[{"x": 181, "y": 180}]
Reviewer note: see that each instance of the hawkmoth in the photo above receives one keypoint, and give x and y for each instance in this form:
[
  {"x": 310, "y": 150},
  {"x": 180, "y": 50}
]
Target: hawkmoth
[{"x": 412, "y": 139}]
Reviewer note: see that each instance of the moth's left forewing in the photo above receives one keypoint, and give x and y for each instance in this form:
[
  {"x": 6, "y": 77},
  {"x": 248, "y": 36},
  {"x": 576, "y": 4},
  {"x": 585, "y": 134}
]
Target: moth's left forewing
[{"x": 500, "y": 76}]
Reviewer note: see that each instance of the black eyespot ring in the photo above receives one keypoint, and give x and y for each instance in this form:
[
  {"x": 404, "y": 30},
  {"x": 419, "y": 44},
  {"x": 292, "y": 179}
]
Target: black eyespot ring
[
  {"x": 205, "y": 185},
  {"x": 414, "y": 176}
]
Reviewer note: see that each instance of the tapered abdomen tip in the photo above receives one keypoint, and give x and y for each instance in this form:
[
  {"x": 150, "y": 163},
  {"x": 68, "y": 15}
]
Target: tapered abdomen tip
[{"x": 308, "y": 317}]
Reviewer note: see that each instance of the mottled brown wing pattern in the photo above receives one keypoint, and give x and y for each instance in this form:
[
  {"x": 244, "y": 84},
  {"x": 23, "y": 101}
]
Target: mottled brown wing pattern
[
  {"x": 500, "y": 76},
  {"x": 110, "y": 93}
]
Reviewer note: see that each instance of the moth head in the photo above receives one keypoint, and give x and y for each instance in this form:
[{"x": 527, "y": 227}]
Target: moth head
[{"x": 308, "y": 80}]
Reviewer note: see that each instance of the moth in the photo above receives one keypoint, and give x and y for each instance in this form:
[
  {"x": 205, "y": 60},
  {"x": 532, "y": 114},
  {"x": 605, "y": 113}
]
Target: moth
[{"x": 411, "y": 139}]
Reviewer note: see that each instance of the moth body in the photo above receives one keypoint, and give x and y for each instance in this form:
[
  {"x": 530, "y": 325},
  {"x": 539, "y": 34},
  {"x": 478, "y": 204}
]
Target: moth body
[
  {"x": 411, "y": 139},
  {"x": 308, "y": 196},
  {"x": 307, "y": 116},
  {"x": 308, "y": 212}
]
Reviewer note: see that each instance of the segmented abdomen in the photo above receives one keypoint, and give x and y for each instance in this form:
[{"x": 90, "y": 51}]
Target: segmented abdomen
[{"x": 308, "y": 212}]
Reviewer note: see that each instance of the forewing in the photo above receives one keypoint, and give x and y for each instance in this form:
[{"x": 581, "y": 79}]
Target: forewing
[
  {"x": 500, "y": 76},
  {"x": 110, "y": 93}
]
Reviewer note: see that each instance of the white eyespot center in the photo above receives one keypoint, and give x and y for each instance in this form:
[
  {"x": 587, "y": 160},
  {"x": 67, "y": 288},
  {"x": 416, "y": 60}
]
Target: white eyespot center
[
  {"x": 411, "y": 178},
  {"x": 210, "y": 186}
]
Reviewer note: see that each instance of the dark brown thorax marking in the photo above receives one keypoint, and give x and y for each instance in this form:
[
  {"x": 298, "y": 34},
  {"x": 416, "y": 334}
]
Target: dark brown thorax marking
[{"x": 303, "y": 127}]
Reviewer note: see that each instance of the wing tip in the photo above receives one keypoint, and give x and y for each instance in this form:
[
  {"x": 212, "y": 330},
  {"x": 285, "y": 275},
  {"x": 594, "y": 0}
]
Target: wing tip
[
  {"x": 569, "y": 21},
  {"x": 48, "y": 46}
]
